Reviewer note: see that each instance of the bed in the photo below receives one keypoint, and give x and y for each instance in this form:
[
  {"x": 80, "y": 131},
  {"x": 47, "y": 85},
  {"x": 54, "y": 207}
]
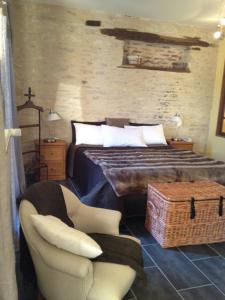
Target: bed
[{"x": 117, "y": 177}]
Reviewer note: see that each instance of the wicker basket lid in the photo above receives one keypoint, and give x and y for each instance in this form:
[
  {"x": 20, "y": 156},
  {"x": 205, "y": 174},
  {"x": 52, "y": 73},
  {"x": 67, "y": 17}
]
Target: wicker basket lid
[{"x": 181, "y": 191}]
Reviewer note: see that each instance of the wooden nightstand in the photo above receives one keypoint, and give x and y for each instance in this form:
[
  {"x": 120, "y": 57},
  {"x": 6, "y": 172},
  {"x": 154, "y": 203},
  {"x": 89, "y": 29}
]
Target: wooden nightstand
[
  {"x": 53, "y": 154},
  {"x": 183, "y": 145}
]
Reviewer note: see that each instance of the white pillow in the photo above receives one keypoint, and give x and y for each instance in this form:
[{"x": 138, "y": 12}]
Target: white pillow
[
  {"x": 88, "y": 134},
  {"x": 121, "y": 137},
  {"x": 64, "y": 237},
  {"x": 153, "y": 134}
]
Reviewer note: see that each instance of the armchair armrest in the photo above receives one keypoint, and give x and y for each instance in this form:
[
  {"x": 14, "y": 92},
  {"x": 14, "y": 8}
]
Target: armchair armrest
[
  {"x": 64, "y": 261},
  {"x": 52, "y": 256},
  {"x": 98, "y": 220}
]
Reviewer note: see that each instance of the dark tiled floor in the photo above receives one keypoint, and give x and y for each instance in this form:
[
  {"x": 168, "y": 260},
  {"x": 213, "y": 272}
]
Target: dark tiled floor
[
  {"x": 188, "y": 273},
  {"x": 206, "y": 292},
  {"x": 177, "y": 268},
  {"x": 219, "y": 248}
]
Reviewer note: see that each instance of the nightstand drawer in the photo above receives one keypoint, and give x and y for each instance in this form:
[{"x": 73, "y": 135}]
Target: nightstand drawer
[
  {"x": 52, "y": 153},
  {"x": 55, "y": 168},
  {"x": 183, "y": 146},
  {"x": 56, "y": 171}
]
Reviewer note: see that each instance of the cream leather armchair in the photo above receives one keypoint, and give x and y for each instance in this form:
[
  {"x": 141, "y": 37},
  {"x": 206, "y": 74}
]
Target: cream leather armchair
[{"x": 62, "y": 275}]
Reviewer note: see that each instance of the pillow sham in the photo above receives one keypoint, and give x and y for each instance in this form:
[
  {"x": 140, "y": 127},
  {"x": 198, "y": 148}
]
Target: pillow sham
[
  {"x": 82, "y": 122},
  {"x": 64, "y": 237},
  {"x": 121, "y": 137},
  {"x": 152, "y": 135},
  {"x": 88, "y": 134}
]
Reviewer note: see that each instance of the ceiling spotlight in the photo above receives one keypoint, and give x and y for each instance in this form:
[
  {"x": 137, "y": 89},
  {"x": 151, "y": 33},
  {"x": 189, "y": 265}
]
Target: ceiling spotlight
[{"x": 217, "y": 35}]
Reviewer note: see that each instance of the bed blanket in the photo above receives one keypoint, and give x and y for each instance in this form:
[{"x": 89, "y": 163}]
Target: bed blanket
[{"x": 130, "y": 170}]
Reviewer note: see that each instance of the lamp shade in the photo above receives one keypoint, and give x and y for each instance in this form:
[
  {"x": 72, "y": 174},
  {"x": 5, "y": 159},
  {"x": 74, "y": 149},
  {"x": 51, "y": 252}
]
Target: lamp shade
[{"x": 53, "y": 116}]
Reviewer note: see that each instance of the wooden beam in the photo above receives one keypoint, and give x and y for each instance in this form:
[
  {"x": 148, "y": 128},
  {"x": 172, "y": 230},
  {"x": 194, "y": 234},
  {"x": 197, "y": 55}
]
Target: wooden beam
[{"x": 127, "y": 34}]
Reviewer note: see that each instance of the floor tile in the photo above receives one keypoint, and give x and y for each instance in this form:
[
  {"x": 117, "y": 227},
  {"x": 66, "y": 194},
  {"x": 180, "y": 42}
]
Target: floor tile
[
  {"x": 124, "y": 230},
  {"x": 148, "y": 262},
  {"x": 203, "y": 293},
  {"x": 67, "y": 183},
  {"x": 214, "y": 269},
  {"x": 136, "y": 225},
  {"x": 178, "y": 269},
  {"x": 156, "y": 288},
  {"x": 219, "y": 247},
  {"x": 198, "y": 251}
]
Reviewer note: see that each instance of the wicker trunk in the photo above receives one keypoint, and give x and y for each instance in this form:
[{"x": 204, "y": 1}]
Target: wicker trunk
[{"x": 186, "y": 213}]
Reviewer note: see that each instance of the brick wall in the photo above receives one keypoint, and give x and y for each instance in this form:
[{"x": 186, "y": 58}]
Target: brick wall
[{"x": 74, "y": 69}]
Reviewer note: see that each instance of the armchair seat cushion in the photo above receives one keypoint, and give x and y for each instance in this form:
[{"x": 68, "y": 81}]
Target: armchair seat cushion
[{"x": 116, "y": 280}]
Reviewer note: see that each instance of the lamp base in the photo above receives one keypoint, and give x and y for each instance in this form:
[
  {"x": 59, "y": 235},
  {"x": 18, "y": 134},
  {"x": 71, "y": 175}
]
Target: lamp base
[
  {"x": 50, "y": 140},
  {"x": 176, "y": 139}
]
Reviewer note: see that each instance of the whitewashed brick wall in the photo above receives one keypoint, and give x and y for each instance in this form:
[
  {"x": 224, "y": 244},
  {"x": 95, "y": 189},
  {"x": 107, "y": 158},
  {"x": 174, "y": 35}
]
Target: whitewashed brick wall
[{"x": 74, "y": 69}]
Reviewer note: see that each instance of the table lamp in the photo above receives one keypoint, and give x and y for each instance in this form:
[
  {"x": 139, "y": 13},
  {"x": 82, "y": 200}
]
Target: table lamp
[
  {"x": 52, "y": 116},
  {"x": 178, "y": 121}
]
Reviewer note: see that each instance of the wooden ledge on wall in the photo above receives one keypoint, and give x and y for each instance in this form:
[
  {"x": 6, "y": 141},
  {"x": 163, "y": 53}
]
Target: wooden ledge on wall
[
  {"x": 185, "y": 70},
  {"x": 149, "y": 51}
]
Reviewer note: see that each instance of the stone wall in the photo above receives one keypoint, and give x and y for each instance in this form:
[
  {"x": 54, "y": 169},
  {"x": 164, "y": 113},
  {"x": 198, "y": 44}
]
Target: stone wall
[{"x": 73, "y": 69}]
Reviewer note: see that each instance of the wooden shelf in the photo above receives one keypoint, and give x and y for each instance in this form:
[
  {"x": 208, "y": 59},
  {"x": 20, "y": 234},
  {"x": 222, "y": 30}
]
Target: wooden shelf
[
  {"x": 30, "y": 151},
  {"x": 186, "y": 70},
  {"x": 29, "y": 126}
]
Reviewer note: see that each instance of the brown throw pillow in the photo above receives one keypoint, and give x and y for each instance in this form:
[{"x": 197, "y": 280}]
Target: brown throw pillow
[{"x": 117, "y": 122}]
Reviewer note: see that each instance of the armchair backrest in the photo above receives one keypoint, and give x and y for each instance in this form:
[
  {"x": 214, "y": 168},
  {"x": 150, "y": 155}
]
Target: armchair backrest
[{"x": 73, "y": 204}]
